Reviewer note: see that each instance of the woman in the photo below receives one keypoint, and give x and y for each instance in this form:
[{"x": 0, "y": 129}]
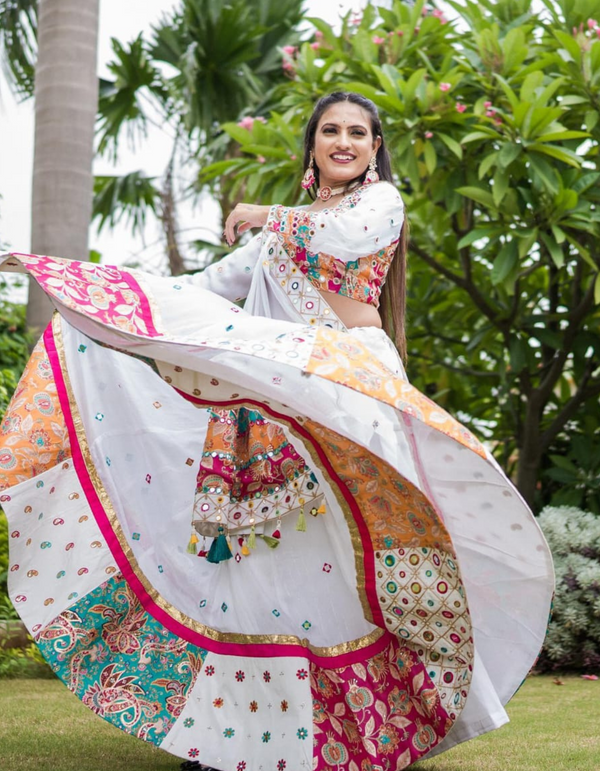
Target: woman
[{"x": 361, "y": 587}]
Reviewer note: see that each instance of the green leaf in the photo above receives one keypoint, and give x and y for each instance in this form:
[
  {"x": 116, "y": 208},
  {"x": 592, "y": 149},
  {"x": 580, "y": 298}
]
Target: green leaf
[
  {"x": 561, "y": 135},
  {"x": 451, "y": 144},
  {"x": 480, "y": 134},
  {"x": 500, "y": 186},
  {"x": 555, "y": 251},
  {"x": 547, "y": 176},
  {"x": 486, "y": 164},
  {"x": 508, "y": 92},
  {"x": 430, "y": 157},
  {"x": 564, "y": 463},
  {"x": 597, "y": 290},
  {"x": 506, "y": 260},
  {"x": 477, "y": 234},
  {"x": 533, "y": 81},
  {"x": 591, "y": 119},
  {"x": 518, "y": 352},
  {"x": 560, "y": 153},
  {"x": 477, "y": 194},
  {"x": 547, "y": 337},
  {"x": 508, "y": 153},
  {"x": 583, "y": 252}
]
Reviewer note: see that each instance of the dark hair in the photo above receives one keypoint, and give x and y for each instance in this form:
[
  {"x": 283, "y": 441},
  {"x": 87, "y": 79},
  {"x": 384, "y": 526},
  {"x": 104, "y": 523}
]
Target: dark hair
[{"x": 393, "y": 296}]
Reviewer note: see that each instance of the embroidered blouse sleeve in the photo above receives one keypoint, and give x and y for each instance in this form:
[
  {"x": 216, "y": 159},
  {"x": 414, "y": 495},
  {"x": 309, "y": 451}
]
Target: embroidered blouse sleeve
[
  {"x": 231, "y": 276},
  {"x": 362, "y": 224}
]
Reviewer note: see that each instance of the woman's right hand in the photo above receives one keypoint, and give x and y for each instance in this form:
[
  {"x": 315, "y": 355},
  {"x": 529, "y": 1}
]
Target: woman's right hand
[{"x": 249, "y": 215}]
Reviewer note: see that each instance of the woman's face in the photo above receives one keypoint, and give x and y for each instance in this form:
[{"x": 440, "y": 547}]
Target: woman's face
[{"x": 344, "y": 143}]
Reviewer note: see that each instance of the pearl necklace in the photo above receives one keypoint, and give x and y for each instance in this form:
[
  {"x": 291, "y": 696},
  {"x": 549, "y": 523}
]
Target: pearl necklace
[{"x": 326, "y": 192}]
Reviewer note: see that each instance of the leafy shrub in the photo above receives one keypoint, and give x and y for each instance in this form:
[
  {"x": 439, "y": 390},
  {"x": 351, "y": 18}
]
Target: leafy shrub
[
  {"x": 573, "y": 640},
  {"x": 23, "y": 663}
]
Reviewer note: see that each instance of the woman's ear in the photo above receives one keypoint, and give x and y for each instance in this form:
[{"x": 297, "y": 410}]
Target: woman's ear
[{"x": 376, "y": 143}]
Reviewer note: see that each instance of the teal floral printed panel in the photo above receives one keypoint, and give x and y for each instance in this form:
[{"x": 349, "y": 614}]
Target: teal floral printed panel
[{"x": 122, "y": 663}]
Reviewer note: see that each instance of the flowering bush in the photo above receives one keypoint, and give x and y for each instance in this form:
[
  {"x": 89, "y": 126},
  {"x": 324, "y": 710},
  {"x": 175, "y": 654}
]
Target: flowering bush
[{"x": 573, "y": 640}]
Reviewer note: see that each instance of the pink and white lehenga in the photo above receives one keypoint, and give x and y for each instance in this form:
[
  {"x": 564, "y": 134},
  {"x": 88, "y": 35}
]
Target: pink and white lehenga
[{"x": 241, "y": 534}]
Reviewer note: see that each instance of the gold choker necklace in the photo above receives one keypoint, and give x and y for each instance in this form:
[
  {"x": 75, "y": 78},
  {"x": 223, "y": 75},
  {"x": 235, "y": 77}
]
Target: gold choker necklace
[{"x": 326, "y": 192}]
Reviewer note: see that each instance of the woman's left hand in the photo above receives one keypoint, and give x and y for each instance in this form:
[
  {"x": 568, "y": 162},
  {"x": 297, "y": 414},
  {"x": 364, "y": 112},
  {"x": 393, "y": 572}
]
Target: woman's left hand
[{"x": 249, "y": 215}]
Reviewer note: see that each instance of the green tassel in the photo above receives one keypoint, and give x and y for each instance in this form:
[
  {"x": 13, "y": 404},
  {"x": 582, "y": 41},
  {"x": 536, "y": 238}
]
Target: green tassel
[
  {"x": 271, "y": 542},
  {"x": 219, "y": 549},
  {"x": 301, "y": 523},
  {"x": 252, "y": 539}
]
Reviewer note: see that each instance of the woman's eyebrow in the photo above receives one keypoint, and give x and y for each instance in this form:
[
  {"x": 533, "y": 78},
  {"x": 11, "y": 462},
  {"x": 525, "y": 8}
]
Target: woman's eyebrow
[{"x": 336, "y": 125}]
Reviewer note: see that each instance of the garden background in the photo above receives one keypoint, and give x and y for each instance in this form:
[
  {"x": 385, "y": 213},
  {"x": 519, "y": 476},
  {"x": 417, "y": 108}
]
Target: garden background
[{"x": 492, "y": 115}]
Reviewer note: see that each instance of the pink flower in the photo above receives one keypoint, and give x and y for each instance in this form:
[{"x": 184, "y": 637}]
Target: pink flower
[
  {"x": 289, "y": 50},
  {"x": 490, "y": 113},
  {"x": 288, "y": 66},
  {"x": 378, "y": 40},
  {"x": 440, "y": 15},
  {"x": 425, "y": 11},
  {"x": 315, "y": 46},
  {"x": 428, "y": 134},
  {"x": 261, "y": 158},
  {"x": 445, "y": 86},
  {"x": 460, "y": 107},
  {"x": 598, "y": 31},
  {"x": 417, "y": 30},
  {"x": 487, "y": 105},
  {"x": 293, "y": 157},
  {"x": 246, "y": 123},
  {"x": 592, "y": 24},
  {"x": 319, "y": 35},
  {"x": 357, "y": 20},
  {"x": 261, "y": 119},
  {"x": 498, "y": 121},
  {"x": 400, "y": 33}
]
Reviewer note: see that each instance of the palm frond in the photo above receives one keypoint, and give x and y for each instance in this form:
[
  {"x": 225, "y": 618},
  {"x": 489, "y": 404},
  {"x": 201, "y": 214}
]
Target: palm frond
[
  {"x": 18, "y": 43},
  {"x": 131, "y": 196},
  {"x": 119, "y": 102}
]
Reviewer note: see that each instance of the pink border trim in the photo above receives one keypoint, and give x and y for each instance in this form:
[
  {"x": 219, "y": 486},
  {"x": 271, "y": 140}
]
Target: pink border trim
[
  {"x": 258, "y": 650},
  {"x": 145, "y": 309}
]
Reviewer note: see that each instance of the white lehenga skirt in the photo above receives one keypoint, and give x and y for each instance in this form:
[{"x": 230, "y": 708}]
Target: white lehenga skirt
[{"x": 251, "y": 541}]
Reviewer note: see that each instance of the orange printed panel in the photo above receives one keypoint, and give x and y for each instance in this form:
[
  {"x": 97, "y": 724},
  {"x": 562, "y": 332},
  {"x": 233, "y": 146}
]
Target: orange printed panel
[
  {"x": 33, "y": 434},
  {"x": 339, "y": 357},
  {"x": 396, "y": 513}
]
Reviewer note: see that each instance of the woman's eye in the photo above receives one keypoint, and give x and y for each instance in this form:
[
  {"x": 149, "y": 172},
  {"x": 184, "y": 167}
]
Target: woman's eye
[{"x": 329, "y": 131}]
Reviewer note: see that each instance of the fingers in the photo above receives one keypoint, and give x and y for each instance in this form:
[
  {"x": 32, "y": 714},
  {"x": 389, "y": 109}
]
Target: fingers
[
  {"x": 237, "y": 215},
  {"x": 230, "y": 224}
]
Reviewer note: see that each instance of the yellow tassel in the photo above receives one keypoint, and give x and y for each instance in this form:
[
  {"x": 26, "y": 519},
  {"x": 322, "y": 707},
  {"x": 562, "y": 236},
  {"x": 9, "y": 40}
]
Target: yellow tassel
[
  {"x": 252, "y": 538},
  {"x": 191, "y": 547},
  {"x": 301, "y": 523},
  {"x": 321, "y": 509},
  {"x": 245, "y": 550}
]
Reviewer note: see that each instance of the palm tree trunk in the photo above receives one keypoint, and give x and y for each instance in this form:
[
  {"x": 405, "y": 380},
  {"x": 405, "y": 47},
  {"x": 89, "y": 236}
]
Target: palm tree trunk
[{"x": 66, "y": 100}]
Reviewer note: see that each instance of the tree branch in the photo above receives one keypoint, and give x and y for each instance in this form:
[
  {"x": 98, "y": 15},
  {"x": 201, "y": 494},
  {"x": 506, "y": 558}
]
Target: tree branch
[
  {"x": 570, "y": 408},
  {"x": 469, "y": 287},
  {"x": 556, "y": 367},
  {"x": 460, "y": 370}
]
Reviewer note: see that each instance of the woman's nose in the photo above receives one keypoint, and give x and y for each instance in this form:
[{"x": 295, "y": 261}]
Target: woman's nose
[{"x": 343, "y": 139}]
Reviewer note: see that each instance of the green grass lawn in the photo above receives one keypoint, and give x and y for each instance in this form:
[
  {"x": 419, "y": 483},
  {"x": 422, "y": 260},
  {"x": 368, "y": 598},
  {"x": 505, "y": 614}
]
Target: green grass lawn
[{"x": 553, "y": 728}]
